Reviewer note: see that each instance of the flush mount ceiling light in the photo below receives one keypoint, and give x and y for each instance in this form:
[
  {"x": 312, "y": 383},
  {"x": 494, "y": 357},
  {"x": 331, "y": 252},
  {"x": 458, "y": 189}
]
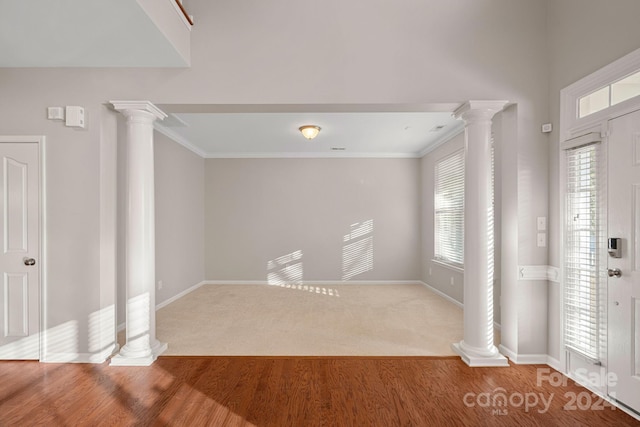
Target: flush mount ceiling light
[{"x": 309, "y": 131}]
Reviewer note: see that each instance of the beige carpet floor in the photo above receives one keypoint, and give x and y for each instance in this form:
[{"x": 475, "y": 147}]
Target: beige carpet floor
[{"x": 363, "y": 320}]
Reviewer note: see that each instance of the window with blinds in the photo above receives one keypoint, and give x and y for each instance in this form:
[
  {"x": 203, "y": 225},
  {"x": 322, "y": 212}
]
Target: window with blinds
[
  {"x": 449, "y": 209},
  {"x": 583, "y": 250}
]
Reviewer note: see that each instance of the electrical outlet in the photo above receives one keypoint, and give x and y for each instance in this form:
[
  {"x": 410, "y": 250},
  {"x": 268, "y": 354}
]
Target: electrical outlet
[
  {"x": 160, "y": 284},
  {"x": 542, "y": 240}
]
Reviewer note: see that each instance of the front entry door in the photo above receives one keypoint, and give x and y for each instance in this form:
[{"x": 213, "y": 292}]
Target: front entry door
[
  {"x": 20, "y": 240},
  {"x": 623, "y": 285}
]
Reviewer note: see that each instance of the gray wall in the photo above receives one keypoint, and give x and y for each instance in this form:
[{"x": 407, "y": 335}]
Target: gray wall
[
  {"x": 179, "y": 217},
  {"x": 584, "y": 36},
  {"x": 258, "y": 210}
]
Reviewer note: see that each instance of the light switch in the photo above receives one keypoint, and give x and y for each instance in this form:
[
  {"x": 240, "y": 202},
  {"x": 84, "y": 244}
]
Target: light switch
[
  {"x": 55, "y": 113},
  {"x": 542, "y": 223},
  {"x": 542, "y": 240}
]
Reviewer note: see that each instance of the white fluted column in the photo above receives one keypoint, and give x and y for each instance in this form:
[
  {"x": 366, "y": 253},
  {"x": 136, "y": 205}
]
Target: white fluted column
[
  {"x": 141, "y": 347},
  {"x": 477, "y": 348}
]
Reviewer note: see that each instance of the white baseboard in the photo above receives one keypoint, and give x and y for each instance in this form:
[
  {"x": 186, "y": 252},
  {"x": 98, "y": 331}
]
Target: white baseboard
[
  {"x": 235, "y": 282},
  {"x": 554, "y": 363},
  {"x": 443, "y": 295},
  {"x": 180, "y": 295},
  {"x": 507, "y": 352},
  {"x": 99, "y": 357},
  {"x": 524, "y": 359}
]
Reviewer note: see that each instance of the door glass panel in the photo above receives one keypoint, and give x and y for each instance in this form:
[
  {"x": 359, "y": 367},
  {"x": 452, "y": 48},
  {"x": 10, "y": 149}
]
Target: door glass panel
[
  {"x": 625, "y": 89},
  {"x": 594, "y": 102}
]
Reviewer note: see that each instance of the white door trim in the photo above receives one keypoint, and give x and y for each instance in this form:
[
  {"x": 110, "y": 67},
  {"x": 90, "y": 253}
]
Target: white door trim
[{"x": 42, "y": 270}]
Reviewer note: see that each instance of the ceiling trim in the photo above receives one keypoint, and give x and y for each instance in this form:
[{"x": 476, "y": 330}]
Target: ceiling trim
[
  {"x": 179, "y": 139},
  {"x": 445, "y": 137},
  {"x": 315, "y": 155}
]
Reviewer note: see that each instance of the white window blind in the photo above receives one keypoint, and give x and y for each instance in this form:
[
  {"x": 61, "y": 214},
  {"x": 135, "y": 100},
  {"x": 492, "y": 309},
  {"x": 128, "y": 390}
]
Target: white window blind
[
  {"x": 583, "y": 253},
  {"x": 449, "y": 209}
]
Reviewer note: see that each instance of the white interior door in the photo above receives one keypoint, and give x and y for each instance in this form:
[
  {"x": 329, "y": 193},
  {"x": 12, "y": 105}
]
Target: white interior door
[
  {"x": 624, "y": 291},
  {"x": 19, "y": 237}
]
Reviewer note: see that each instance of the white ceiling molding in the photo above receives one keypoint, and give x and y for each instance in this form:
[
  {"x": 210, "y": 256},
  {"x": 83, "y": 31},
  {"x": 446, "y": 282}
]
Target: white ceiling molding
[
  {"x": 316, "y": 155},
  {"x": 445, "y": 137},
  {"x": 178, "y": 139}
]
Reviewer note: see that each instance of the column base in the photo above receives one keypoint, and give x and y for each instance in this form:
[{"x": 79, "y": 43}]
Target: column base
[
  {"x": 122, "y": 359},
  {"x": 474, "y": 360}
]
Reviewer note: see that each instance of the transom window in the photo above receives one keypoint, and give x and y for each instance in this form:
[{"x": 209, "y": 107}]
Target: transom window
[{"x": 610, "y": 95}]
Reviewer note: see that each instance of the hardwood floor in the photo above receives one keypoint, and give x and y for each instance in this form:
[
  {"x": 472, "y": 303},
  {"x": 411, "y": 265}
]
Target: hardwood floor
[{"x": 296, "y": 391}]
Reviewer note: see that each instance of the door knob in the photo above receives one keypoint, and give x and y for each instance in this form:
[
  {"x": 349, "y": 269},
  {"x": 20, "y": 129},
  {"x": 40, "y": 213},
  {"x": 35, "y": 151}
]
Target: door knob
[
  {"x": 614, "y": 272},
  {"x": 29, "y": 261}
]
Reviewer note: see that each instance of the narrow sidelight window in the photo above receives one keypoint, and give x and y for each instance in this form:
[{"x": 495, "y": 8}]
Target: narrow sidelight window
[{"x": 583, "y": 248}]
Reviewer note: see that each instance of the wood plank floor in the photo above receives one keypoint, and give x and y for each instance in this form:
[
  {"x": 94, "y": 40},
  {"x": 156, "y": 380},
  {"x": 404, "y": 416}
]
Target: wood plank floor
[{"x": 296, "y": 391}]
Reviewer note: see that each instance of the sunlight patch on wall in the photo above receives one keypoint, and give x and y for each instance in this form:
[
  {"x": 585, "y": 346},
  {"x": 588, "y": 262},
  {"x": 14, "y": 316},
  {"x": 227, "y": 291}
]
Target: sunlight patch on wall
[
  {"x": 357, "y": 252},
  {"x": 102, "y": 331},
  {"x": 63, "y": 341},
  {"x": 286, "y": 270}
]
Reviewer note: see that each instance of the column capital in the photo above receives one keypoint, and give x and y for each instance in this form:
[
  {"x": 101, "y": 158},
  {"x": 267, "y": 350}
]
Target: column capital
[
  {"x": 472, "y": 111},
  {"x": 132, "y": 107}
]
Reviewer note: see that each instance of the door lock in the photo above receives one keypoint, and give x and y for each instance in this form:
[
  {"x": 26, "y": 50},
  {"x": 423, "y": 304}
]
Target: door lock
[
  {"x": 614, "y": 247},
  {"x": 29, "y": 261},
  {"x": 614, "y": 272}
]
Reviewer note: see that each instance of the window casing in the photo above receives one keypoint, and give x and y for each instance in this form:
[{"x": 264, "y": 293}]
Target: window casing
[{"x": 449, "y": 210}]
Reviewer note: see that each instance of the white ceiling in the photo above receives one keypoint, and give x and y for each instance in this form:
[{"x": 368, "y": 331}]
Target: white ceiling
[
  {"x": 275, "y": 134},
  {"x": 87, "y": 33}
]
